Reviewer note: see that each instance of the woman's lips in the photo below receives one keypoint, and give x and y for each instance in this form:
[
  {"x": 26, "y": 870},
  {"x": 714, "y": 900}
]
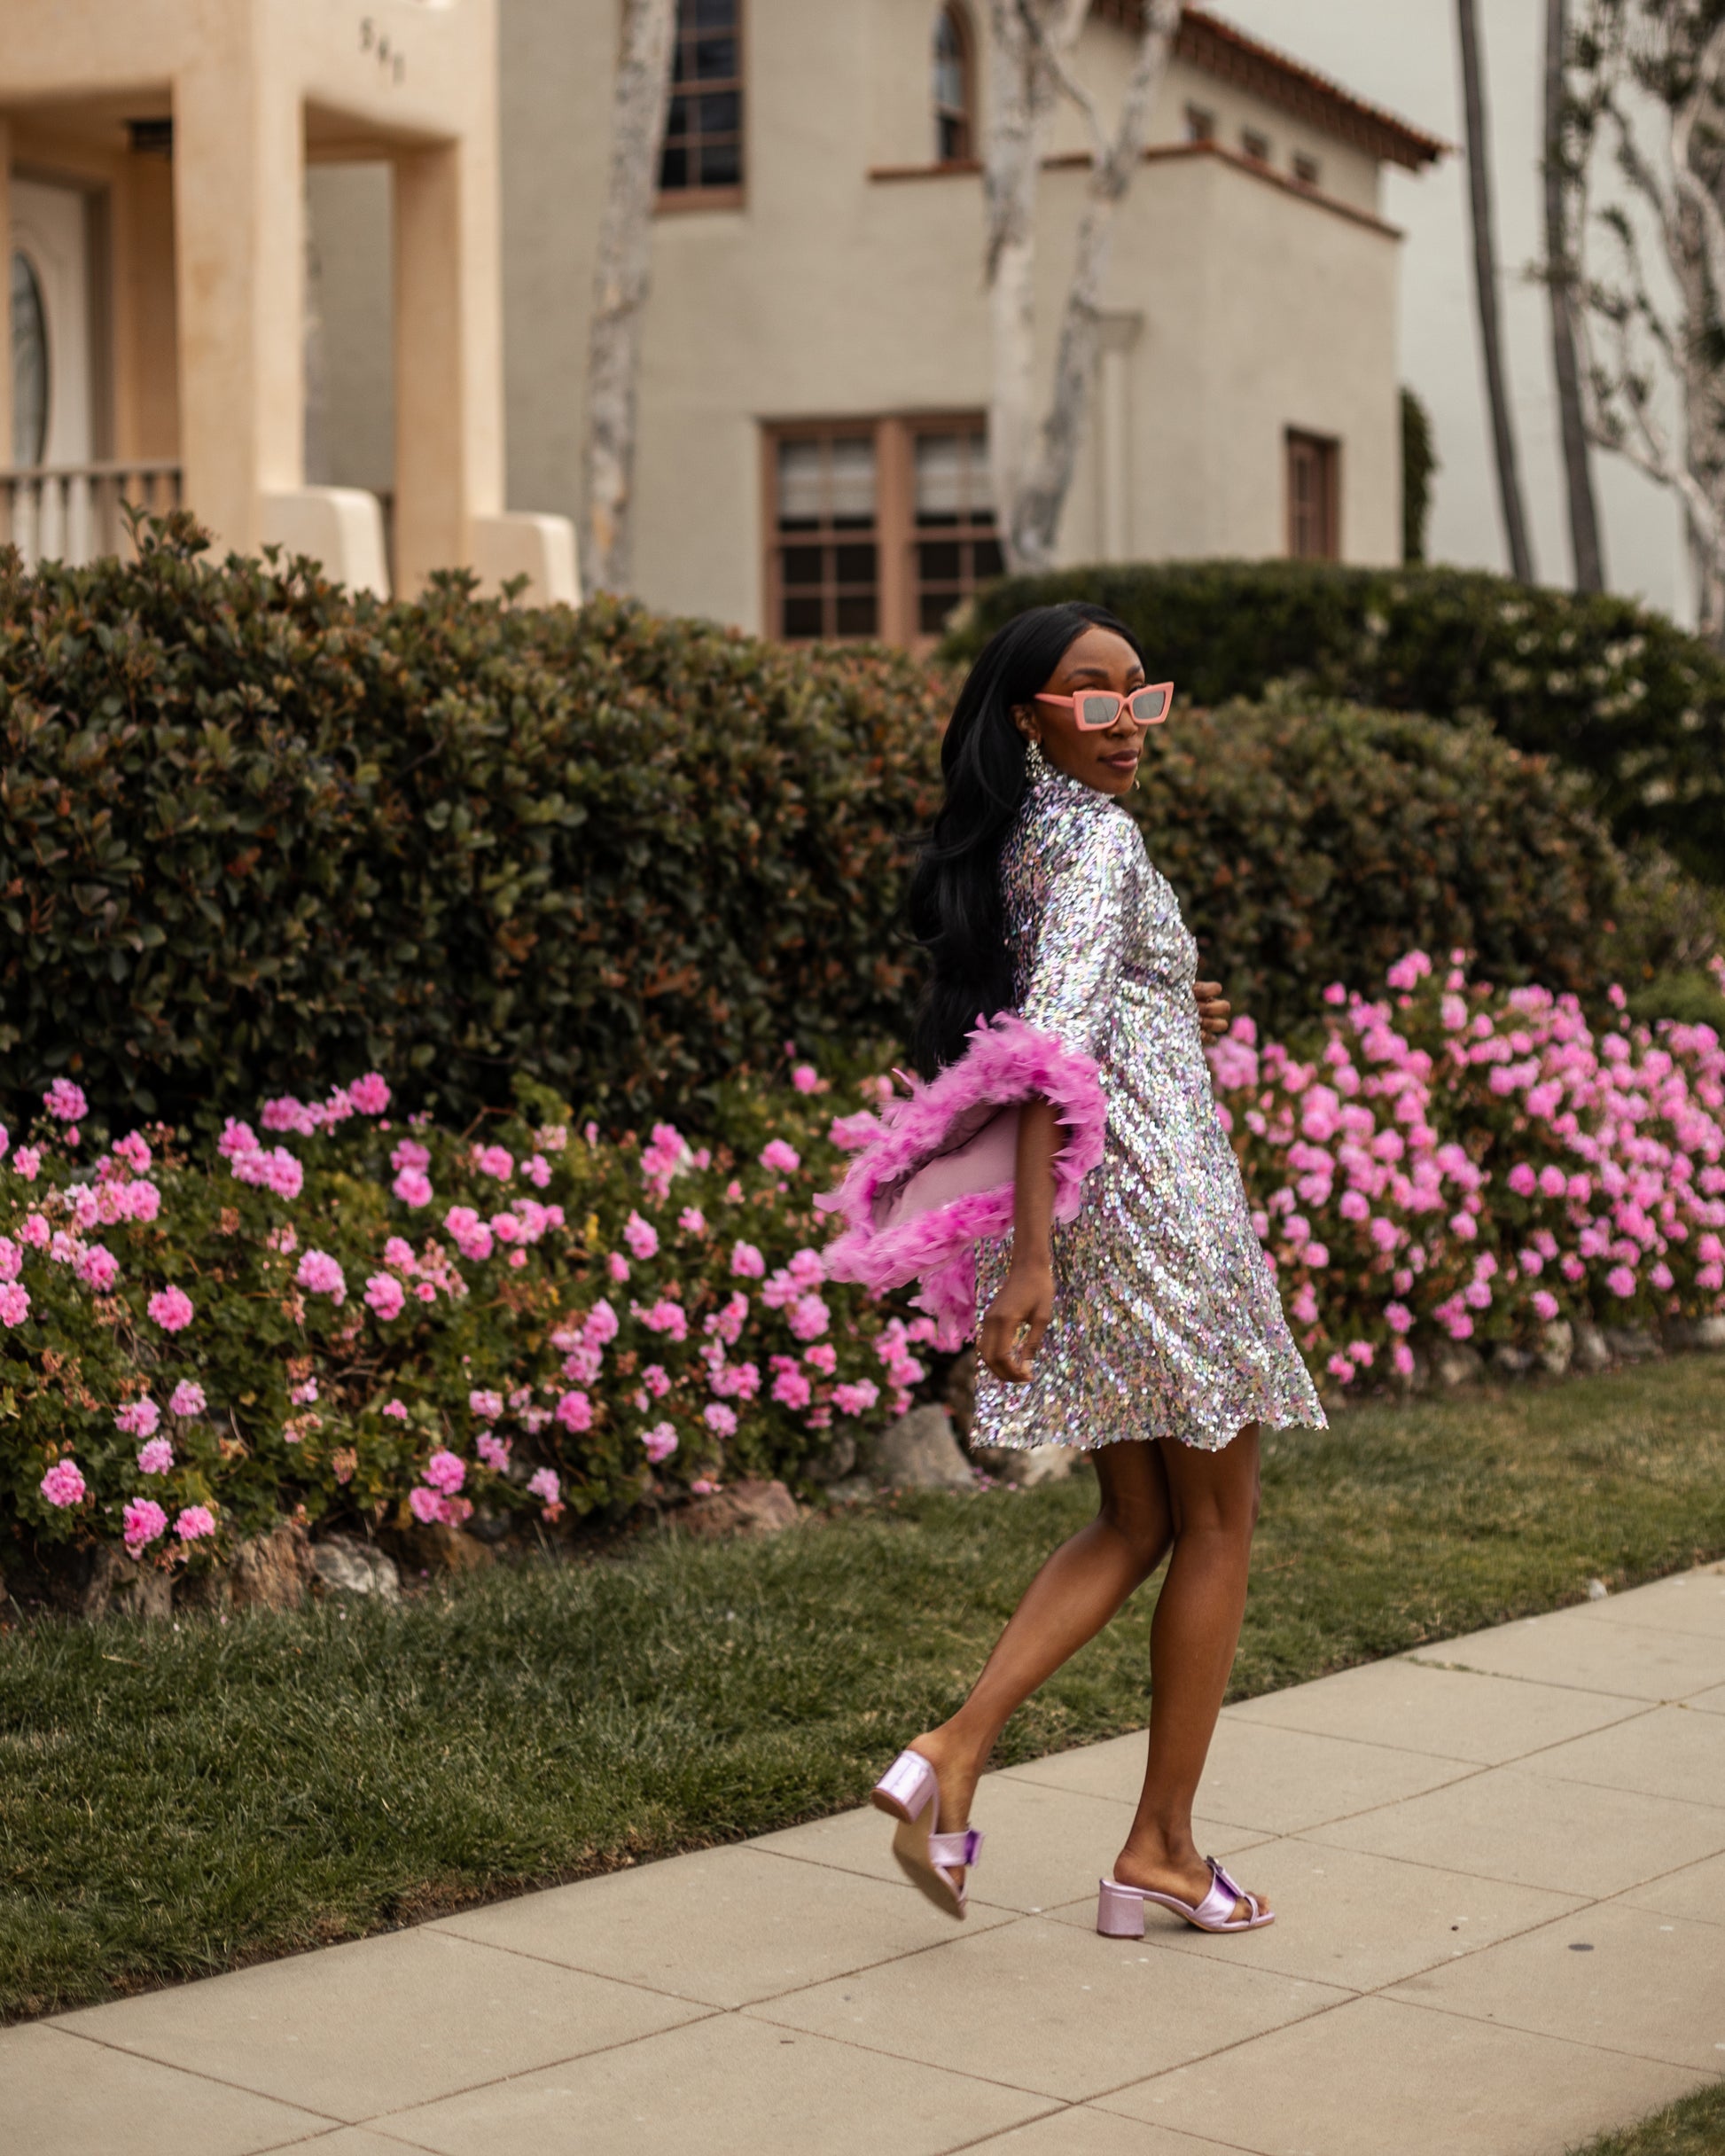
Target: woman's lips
[{"x": 1126, "y": 761}]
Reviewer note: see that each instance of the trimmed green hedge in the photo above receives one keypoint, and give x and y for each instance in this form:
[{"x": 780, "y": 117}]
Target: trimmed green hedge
[
  {"x": 1608, "y": 687},
  {"x": 255, "y": 830},
  {"x": 1312, "y": 843}
]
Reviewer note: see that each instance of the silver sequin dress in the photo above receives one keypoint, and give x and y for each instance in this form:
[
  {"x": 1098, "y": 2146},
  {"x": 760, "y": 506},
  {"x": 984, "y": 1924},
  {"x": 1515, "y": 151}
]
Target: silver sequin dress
[{"x": 1166, "y": 1320}]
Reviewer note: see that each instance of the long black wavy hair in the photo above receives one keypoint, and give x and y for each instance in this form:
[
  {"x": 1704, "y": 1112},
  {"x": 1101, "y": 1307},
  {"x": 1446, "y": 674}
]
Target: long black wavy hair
[{"x": 955, "y": 908}]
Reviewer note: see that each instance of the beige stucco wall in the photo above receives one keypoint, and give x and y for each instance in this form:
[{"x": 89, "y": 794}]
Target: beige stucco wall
[
  {"x": 254, "y": 87},
  {"x": 831, "y": 294}
]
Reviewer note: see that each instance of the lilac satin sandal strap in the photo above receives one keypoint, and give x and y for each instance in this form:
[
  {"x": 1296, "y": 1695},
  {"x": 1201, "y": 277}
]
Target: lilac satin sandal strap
[
  {"x": 1225, "y": 1892},
  {"x": 963, "y": 1848}
]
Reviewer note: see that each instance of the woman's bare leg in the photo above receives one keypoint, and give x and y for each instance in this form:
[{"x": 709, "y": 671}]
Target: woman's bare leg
[
  {"x": 1076, "y": 1592},
  {"x": 1214, "y": 1496}
]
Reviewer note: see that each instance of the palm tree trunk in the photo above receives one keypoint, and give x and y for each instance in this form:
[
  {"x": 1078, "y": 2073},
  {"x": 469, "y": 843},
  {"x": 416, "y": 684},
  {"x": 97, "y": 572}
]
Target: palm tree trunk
[
  {"x": 1560, "y": 284},
  {"x": 1485, "y": 277}
]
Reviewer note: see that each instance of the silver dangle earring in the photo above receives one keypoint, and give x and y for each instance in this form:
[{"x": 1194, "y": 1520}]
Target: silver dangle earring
[{"x": 1035, "y": 764}]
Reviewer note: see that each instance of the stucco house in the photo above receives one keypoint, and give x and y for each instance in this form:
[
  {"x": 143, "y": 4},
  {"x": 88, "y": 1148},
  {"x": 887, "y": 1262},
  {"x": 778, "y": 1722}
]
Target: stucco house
[
  {"x": 154, "y": 162},
  {"x": 812, "y": 449}
]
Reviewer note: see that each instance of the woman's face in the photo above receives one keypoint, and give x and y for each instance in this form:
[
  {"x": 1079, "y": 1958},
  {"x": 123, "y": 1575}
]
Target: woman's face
[{"x": 1097, "y": 658}]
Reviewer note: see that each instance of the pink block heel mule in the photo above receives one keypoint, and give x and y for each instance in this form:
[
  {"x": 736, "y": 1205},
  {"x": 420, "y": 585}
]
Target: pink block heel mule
[
  {"x": 1120, "y": 1909},
  {"x": 908, "y": 1793}
]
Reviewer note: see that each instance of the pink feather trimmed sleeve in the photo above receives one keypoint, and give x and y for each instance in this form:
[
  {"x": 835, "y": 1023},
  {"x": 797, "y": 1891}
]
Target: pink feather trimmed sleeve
[{"x": 935, "y": 1171}]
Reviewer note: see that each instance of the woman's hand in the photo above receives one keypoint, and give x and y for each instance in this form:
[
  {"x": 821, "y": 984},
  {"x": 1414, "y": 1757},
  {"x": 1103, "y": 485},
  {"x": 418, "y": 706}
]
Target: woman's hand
[
  {"x": 1213, "y": 1010},
  {"x": 1016, "y": 1320}
]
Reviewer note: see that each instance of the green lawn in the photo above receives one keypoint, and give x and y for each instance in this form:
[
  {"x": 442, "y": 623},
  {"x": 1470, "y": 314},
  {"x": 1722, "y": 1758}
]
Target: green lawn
[
  {"x": 1693, "y": 2126},
  {"x": 178, "y": 1799}
]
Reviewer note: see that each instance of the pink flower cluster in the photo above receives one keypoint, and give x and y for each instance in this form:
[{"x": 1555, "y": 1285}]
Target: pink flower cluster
[{"x": 1479, "y": 1164}]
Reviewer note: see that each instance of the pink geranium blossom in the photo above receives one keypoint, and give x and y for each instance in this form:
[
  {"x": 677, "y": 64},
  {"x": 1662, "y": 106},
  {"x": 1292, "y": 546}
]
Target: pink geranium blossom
[
  {"x": 370, "y": 1093},
  {"x": 396, "y": 1409},
  {"x": 544, "y": 1485},
  {"x": 141, "y": 1521},
  {"x": 98, "y": 1267},
  {"x": 720, "y": 1419},
  {"x": 493, "y": 1451},
  {"x": 782, "y": 1158},
  {"x": 195, "y": 1522},
  {"x": 139, "y": 1419},
  {"x": 320, "y": 1274},
  {"x": 187, "y": 1398},
  {"x": 659, "y": 1442},
  {"x": 446, "y": 1471},
  {"x": 385, "y": 1296},
  {"x": 425, "y": 1505},
  {"x": 66, "y": 1101},
  {"x": 641, "y": 1235},
  {"x": 63, "y": 1485},
  {"x": 746, "y": 1261},
  {"x": 171, "y": 1308},
  {"x": 15, "y": 1303},
  {"x": 413, "y": 1187}
]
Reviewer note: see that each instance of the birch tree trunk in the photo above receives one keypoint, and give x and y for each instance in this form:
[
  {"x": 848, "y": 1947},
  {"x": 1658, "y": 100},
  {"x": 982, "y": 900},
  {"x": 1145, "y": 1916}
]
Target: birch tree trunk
[
  {"x": 1034, "y": 522},
  {"x": 1561, "y": 287},
  {"x": 1020, "y": 97},
  {"x": 621, "y": 284},
  {"x": 1485, "y": 278}
]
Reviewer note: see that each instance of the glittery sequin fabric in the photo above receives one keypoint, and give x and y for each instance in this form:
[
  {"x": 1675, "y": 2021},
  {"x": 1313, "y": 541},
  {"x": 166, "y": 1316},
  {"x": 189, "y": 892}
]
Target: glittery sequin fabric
[{"x": 1166, "y": 1321}]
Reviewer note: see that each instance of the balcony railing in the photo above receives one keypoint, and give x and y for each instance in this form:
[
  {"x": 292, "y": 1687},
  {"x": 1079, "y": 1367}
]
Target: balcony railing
[{"x": 72, "y": 512}]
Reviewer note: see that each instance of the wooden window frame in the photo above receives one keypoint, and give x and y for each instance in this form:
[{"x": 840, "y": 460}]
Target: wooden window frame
[
  {"x": 675, "y": 200},
  {"x": 1199, "y": 123},
  {"x": 1255, "y": 145},
  {"x": 1307, "y": 170},
  {"x": 896, "y": 534},
  {"x": 1322, "y": 455},
  {"x": 962, "y": 116}
]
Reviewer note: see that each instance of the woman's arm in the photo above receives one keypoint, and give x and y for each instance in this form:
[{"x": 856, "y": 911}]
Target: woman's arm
[{"x": 1026, "y": 1295}]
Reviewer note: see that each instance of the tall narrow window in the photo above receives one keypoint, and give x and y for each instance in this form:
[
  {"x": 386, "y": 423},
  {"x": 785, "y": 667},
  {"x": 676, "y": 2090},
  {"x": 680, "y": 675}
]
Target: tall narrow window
[
  {"x": 956, "y": 544},
  {"x": 1314, "y": 497},
  {"x": 1200, "y": 124},
  {"x": 952, "y": 86},
  {"x": 1255, "y": 145},
  {"x": 826, "y": 552},
  {"x": 702, "y": 151}
]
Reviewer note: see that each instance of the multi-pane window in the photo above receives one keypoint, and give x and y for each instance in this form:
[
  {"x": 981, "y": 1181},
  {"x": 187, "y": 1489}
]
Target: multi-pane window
[
  {"x": 952, "y": 86},
  {"x": 1314, "y": 465},
  {"x": 702, "y": 151},
  {"x": 828, "y": 553},
  {"x": 877, "y": 527},
  {"x": 956, "y": 545}
]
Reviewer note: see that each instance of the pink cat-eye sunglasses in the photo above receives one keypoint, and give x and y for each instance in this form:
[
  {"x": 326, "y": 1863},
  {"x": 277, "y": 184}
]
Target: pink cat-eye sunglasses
[{"x": 1096, "y": 709}]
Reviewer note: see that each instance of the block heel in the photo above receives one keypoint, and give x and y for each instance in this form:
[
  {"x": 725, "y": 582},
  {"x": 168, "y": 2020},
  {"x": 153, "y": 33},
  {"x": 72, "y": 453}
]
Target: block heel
[
  {"x": 1120, "y": 1912},
  {"x": 910, "y": 1792}
]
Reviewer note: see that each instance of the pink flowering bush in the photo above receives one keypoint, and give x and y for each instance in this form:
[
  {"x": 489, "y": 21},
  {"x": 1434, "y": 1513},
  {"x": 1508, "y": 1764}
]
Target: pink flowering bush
[
  {"x": 541, "y": 1322},
  {"x": 1457, "y": 1163}
]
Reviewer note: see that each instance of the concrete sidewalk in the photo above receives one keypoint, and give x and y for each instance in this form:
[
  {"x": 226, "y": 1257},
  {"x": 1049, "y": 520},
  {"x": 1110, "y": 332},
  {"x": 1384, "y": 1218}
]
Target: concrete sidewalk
[{"x": 1500, "y": 1865}]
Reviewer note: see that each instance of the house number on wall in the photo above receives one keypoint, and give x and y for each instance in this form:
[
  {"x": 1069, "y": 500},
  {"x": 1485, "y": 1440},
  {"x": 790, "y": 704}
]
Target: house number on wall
[{"x": 372, "y": 40}]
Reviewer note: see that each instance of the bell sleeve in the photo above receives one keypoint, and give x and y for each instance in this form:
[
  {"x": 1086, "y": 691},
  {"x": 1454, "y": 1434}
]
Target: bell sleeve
[{"x": 935, "y": 1170}]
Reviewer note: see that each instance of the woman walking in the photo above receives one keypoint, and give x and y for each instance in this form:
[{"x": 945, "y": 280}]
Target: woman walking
[{"x": 1064, "y": 1185}]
